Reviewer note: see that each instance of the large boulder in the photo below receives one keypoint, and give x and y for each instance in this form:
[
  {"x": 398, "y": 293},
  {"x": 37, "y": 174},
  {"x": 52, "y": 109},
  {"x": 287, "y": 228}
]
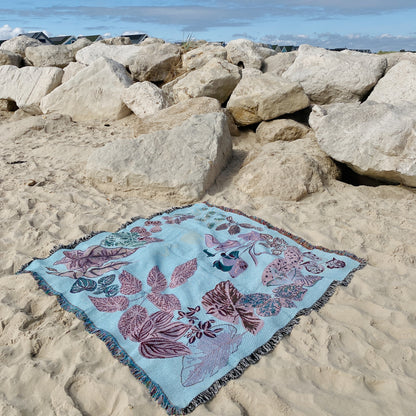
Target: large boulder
[
  {"x": 245, "y": 53},
  {"x": 333, "y": 77},
  {"x": 27, "y": 86},
  {"x": 265, "y": 97},
  {"x": 50, "y": 55},
  {"x": 175, "y": 115},
  {"x": 144, "y": 98},
  {"x": 396, "y": 57},
  {"x": 280, "y": 129},
  {"x": 118, "y": 53},
  {"x": 373, "y": 139},
  {"x": 19, "y": 44},
  {"x": 398, "y": 85},
  {"x": 92, "y": 94},
  {"x": 287, "y": 170},
  {"x": 154, "y": 62},
  {"x": 216, "y": 79},
  {"x": 198, "y": 57},
  {"x": 10, "y": 58},
  {"x": 182, "y": 162},
  {"x": 119, "y": 40},
  {"x": 279, "y": 63},
  {"x": 71, "y": 70}
]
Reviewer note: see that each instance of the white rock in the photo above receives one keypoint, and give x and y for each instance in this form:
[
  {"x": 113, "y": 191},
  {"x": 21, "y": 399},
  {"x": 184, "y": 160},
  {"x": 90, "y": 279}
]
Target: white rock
[
  {"x": 396, "y": 57},
  {"x": 154, "y": 61},
  {"x": 374, "y": 139},
  {"x": 19, "y": 44},
  {"x": 287, "y": 170},
  {"x": 279, "y": 63},
  {"x": 265, "y": 52},
  {"x": 265, "y": 97},
  {"x": 149, "y": 41},
  {"x": 198, "y": 57},
  {"x": 397, "y": 86},
  {"x": 144, "y": 98},
  {"x": 118, "y": 53},
  {"x": 10, "y": 58},
  {"x": 50, "y": 55},
  {"x": 71, "y": 70},
  {"x": 26, "y": 86},
  {"x": 329, "y": 77},
  {"x": 281, "y": 129},
  {"x": 245, "y": 52},
  {"x": 216, "y": 79},
  {"x": 250, "y": 72},
  {"x": 119, "y": 40},
  {"x": 182, "y": 162},
  {"x": 92, "y": 94}
]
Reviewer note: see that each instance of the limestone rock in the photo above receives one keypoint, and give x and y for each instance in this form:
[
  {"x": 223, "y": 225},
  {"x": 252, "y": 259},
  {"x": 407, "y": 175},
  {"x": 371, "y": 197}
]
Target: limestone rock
[
  {"x": 71, "y": 70},
  {"x": 198, "y": 57},
  {"x": 265, "y": 52},
  {"x": 279, "y": 63},
  {"x": 92, "y": 94},
  {"x": 144, "y": 98},
  {"x": 182, "y": 162},
  {"x": 26, "y": 86},
  {"x": 216, "y": 79},
  {"x": 154, "y": 61},
  {"x": 119, "y": 40},
  {"x": 398, "y": 85},
  {"x": 250, "y": 72},
  {"x": 287, "y": 170},
  {"x": 244, "y": 52},
  {"x": 329, "y": 77},
  {"x": 175, "y": 115},
  {"x": 374, "y": 139},
  {"x": 19, "y": 44},
  {"x": 118, "y": 53},
  {"x": 10, "y": 58},
  {"x": 265, "y": 97},
  {"x": 281, "y": 129},
  {"x": 50, "y": 55},
  {"x": 396, "y": 57},
  {"x": 150, "y": 40}
]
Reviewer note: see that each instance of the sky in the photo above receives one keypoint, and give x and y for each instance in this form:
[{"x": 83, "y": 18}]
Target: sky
[{"x": 356, "y": 24}]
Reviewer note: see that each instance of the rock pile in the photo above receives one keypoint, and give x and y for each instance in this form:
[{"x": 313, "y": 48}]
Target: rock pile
[{"x": 186, "y": 102}]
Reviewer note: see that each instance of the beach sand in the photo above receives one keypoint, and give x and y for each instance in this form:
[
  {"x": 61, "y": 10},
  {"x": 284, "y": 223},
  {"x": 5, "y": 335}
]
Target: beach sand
[{"x": 356, "y": 356}]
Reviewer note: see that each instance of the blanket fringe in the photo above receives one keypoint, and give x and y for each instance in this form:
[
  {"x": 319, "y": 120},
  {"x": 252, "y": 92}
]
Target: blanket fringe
[{"x": 154, "y": 389}]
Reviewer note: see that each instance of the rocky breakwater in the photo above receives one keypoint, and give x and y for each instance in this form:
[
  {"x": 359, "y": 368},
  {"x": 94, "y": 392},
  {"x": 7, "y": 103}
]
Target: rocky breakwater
[{"x": 312, "y": 111}]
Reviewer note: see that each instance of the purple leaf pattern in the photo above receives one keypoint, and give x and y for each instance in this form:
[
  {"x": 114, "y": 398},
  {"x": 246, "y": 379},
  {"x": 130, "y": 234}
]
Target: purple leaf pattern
[
  {"x": 130, "y": 285},
  {"x": 113, "y": 304},
  {"x": 182, "y": 273}
]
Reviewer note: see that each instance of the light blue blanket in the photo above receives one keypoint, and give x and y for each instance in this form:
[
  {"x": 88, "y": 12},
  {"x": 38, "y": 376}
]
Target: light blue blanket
[{"x": 193, "y": 296}]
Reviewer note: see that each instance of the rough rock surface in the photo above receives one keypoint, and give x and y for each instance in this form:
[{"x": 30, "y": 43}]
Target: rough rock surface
[
  {"x": 26, "y": 86},
  {"x": 118, "y": 53},
  {"x": 10, "y": 58},
  {"x": 281, "y": 129},
  {"x": 287, "y": 170},
  {"x": 329, "y": 77},
  {"x": 19, "y": 44},
  {"x": 144, "y": 98},
  {"x": 279, "y": 63},
  {"x": 50, "y": 55},
  {"x": 119, "y": 40},
  {"x": 71, "y": 70},
  {"x": 175, "y": 115},
  {"x": 245, "y": 52},
  {"x": 7, "y": 105},
  {"x": 92, "y": 94},
  {"x": 198, "y": 57},
  {"x": 154, "y": 61},
  {"x": 374, "y": 139},
  {"x": 183, "y": 161},
  {"x": 396, "y": 57},
  {"x": 398, "y": 85},
  {"x": 265, "y": 97},
  {"x": 216, "y": 79}
]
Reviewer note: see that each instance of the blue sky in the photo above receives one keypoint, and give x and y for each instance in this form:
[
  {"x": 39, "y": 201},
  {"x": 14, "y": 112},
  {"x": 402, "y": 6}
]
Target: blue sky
[{"x": 371, "y": 24}]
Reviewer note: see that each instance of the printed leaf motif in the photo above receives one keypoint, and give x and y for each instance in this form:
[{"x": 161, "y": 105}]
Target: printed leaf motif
[
  {"x": 162, "y": 348},
  {"x": 234, "y": 229},
  {"x": 211, "y": 241},
  {"x": 106, "y": 280},
  {"x": 270, "y": 308},
  {"x": 313, "y": 267},
  {"x": 174, "y": 330},
  {"x": 182, "y": 273},
  {"x": 254, "y": 299},
  {"x": 129, "y": 284},
  {"x": 131, "y": 321},
  {"x": 94, "y": 256},
  {"x": 114, "y": 304},
  {"x": 82, "y": 284},
  {"x": 293, "y": 256},
  {"x": 293, "y": 292},
  {"x": 252, "y": 236},
  {"x": 222, "y": 226},
  {"x": 111, "y": 291},
  {"x": 335, "y": 264},
  {"x": 156, "y": 280},
  {"x": 209, "y": 355},
  {"x": 70, "y": 273},
  {"x": 99, "y": 271},
  {"x": 160, "y": 319},
  {"x": 307, "y": 280},
  {"x": 165, "y": 302}
]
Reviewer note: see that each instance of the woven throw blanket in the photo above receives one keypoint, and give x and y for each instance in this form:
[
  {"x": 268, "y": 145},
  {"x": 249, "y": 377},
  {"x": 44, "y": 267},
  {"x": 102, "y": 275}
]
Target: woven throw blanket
[{"x": 191, "y": 297}]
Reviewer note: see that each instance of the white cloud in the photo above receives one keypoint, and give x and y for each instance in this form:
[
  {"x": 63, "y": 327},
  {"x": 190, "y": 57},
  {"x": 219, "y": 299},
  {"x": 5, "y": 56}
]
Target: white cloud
[
  {"x": 127, "y": 33},
  {"x": 7, "y": 32}
]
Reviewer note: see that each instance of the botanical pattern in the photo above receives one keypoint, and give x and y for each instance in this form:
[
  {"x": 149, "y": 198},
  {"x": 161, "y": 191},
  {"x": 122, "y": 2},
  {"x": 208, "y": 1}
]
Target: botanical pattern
[{"x": 192, "y": 303}]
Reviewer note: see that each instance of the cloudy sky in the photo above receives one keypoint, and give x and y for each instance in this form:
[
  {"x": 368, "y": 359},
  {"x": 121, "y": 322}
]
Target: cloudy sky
[{"x": 370, "y": 24}]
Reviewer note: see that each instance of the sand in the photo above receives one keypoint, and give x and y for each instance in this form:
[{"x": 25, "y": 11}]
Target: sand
[{"x": 356, "y": 356}]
